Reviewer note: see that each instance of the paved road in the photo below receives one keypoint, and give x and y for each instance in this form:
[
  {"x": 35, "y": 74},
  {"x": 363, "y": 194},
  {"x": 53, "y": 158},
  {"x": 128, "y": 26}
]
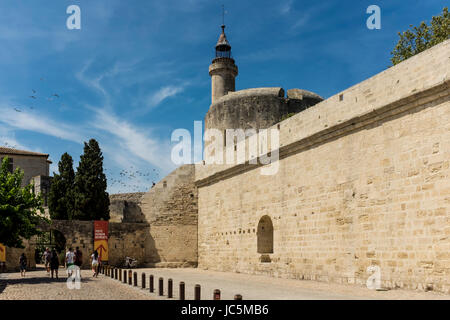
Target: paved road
[
  {"x": 253, "y": 287},
  {"x": 38, "y": 285}
]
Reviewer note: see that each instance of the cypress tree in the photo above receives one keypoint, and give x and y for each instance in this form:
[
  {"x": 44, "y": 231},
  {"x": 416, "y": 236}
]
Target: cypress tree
[
  {"x": 91, "y": 198},
  {"x": 61, "y": 202}
]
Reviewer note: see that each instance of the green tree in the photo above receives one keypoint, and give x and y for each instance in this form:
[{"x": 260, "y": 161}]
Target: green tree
[
  {"x": 60, "y": 199},
  {"x": 420, "y": 38},
  {"x": 19, "y": 208},
  {"x": 91, "y": 198}
]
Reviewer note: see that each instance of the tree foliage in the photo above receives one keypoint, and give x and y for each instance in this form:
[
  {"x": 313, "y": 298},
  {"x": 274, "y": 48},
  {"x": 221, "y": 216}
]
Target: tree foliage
[
  {"x": 19, "y": 208},
  {"x": 420, "y": 38},
  {"x": 90, "y": 197},
  {"x": 61, "y": 198}
]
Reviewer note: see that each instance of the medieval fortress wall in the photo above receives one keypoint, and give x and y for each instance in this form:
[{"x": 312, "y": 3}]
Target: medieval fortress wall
[
  {"x": 363, "y": 180},
  {"x": 170, "y": 207}
]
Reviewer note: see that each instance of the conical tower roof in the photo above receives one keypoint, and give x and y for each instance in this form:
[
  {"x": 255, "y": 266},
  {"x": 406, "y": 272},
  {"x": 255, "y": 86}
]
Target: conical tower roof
[{"x": 223, "y": 42}]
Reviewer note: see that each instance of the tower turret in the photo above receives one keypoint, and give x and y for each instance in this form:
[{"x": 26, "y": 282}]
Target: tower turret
[{"x": 222, "y": 70}]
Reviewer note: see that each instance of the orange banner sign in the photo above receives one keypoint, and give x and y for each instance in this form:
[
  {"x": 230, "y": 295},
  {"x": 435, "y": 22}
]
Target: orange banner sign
[
  {"x": 101, "y": 239},
  {"x": 2, "y": 253}
]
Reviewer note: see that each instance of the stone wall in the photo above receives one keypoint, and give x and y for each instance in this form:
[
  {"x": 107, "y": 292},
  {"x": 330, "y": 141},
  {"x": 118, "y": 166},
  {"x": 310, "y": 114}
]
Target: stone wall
[
  {"x": 170, "y": 208},
  {"x": 363, "y": 180},
  {"x": 125, "y": 239},
  {"x": 125, "y": 207},
  {"x": 13, "y": 254}
]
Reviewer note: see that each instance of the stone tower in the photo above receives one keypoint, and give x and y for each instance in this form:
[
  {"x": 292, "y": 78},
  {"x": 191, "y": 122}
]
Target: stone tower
[{"x": 222, "y": 70}]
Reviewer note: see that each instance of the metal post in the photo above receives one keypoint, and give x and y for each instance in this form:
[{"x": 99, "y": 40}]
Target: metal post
[
  {"x": 161, "y": 286},
  {"x": 130, "y": 277},
  {"x": 197, "y": 292},
  {"x": 120, "y": 275},
  {"x": 182, "y": 291},
  {"x": 135, "y": 278},
  {"x": 216, "y": 295},
  {"x": 115, "y": 273},
  {"x": 170, "y": 288},
  {"x": 143, "y": 280},
  {"x": 151, "y": 285},
  {"x": 124, "y": 276}
]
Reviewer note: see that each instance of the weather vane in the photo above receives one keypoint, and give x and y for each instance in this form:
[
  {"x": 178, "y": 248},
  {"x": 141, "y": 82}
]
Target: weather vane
[{"x": 223, "y": 15}]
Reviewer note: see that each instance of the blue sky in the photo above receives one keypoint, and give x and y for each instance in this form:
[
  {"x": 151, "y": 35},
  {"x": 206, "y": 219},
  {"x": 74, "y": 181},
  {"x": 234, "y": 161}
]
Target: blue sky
[{"x": 138, "y": 69}]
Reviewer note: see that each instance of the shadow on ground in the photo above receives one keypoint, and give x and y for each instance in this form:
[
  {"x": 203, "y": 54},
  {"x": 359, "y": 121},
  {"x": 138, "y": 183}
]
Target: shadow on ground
[{"x": 37, "y": 280}]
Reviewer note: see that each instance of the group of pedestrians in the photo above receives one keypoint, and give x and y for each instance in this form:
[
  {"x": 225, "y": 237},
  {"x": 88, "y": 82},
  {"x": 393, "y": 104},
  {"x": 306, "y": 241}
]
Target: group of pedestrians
[
  {"x": 52, "y": 263},
  {"x": 51, "y": 260}
]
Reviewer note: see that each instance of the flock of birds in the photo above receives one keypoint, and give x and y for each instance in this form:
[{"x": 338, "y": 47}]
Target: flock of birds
[
  {"x": 133, "y": 180},
  {"x": 34, "y": 96},
  {"x": 128, "y": 181}
]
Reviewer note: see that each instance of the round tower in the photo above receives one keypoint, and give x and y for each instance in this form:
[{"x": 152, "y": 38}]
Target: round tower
[{"x": 222, "y": 70}]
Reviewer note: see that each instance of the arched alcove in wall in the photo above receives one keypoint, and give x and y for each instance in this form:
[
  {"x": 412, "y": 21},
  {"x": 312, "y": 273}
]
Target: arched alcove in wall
[{"x": 265, "y": 235}]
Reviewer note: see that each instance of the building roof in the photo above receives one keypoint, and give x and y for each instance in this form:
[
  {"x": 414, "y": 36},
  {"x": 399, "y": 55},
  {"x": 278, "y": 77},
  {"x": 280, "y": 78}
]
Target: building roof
[
  {"x": 5, "y": 150},
  {"x": 223, "y": 42}
]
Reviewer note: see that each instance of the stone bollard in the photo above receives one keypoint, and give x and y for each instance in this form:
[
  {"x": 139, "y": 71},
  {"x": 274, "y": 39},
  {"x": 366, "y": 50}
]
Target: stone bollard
[
  {"x": 216, "y": 295},
  {"x": 135, "y": 279},
  {"x": 120, "y": 275},
  {"x": 182, "y": 291},
  {"x": 112, "y": 272},
  {"x": 143, "y": 280},
  {"x": 238, "y": 297},
  {"x": 151, "y": 284},
  {"x": 197, "y": 292},
  {"x": 124, "y": 276},
  {"x": 170, "y": 288},
  {"x": 161, "y": 286},
  {"x": 115, "y": 273},
  {"x": 130, "y": 277}
]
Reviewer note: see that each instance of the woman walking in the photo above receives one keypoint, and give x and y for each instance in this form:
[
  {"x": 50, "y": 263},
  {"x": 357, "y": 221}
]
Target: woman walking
[
  {"x": 95, "y": 262},
  {"x": 23, "y": 264},
  {"x": 54, "y": 263}
]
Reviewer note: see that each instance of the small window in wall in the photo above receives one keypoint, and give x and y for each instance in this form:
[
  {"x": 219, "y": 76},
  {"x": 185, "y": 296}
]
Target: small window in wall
[
  {"x": 10, "y": 164},
  {"x": 265, "y": 235}
]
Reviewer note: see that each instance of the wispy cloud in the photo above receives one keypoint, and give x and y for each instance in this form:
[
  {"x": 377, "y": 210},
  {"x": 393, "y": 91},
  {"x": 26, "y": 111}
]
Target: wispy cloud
[
  {"x": 162, "y": 94},
  {"x": 286, "y": 7},
  {"x": 37, "y": 123},
  {"x": 133, "y": 141},
  {"x": 8, "y": 139}
]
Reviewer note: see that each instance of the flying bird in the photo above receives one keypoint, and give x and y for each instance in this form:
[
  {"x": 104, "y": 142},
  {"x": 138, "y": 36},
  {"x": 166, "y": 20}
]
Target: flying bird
[
  {"x": 55, "y": 95},
  {"x": 34, "y": 97},
  {"x": 17, "y": 110}
]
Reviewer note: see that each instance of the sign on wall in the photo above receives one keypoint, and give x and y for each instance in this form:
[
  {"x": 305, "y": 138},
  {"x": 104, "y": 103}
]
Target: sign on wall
[
  {"x": 2, "y": 253},
  {"x": 101, "y": 239}
]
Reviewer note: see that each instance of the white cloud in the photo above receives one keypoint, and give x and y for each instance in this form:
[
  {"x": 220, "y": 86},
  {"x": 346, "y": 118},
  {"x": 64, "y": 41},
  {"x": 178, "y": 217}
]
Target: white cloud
[
  {"x": 36, "y": 123},
  {"x": 132, "y": 141},
  {"x": 286, "y": 7},
  {"x": 162, "y": 94}
]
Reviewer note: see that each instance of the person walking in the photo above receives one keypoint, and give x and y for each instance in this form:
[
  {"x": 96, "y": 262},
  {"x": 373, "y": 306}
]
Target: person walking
[
  {"x": 70, "y": 260},
  {"x": 54, "y": 263},
  {"x": 23, "y": 264},
  {"x": 95, "y": 262},
  {"x": 46, "y": 257},
  {"x": 78, "y": 258}
]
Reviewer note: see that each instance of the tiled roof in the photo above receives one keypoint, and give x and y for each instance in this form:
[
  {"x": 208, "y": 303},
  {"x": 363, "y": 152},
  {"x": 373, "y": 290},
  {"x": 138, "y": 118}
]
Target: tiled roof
[{"x": 4, "y": 150}]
